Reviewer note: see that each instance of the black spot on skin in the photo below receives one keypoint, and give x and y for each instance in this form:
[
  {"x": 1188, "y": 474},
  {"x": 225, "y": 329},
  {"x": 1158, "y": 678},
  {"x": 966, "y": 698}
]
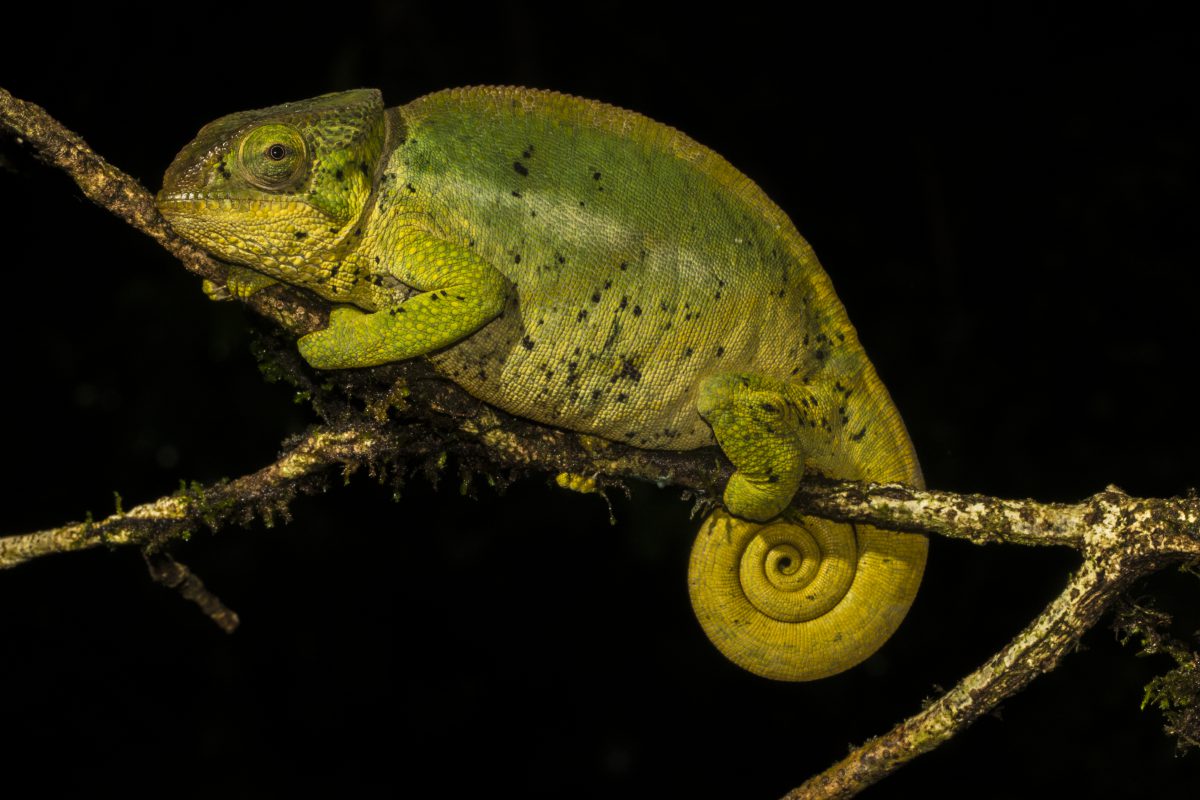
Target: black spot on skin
[
  {"x": 302, "y": 235},
  {"x": 521, "y": 169},
  {"x": 608, "y": 284},
  {"x": 630, "y": 434},
  {"x": 482, "y": 375},
  {"x": 364, "y": 169},
  {"x": 820, "y": 355},
  {"x": 595, "y": 297},
  {"x": 595, "y": 176},
  {"x": 841, "y": 336},
  {"x": 772, "y": 479},
  {"x": 412, "y": 189},
  {"x": 622, "y": 397},
  {"x": 857, "y": 437},
  {"x": 624, "y": 302},
  {"x": 595, "y": 394},
  {"x": 622, "y": 266},
  {"x": 515, "y": 193},
  {"x": 720, "y": 352},
  {"x": 376, "y": 259},
  {"x": 341, "y": 176},
  {"x": 637, "y": 311},
  {"x": 688, "y": 352},
  {"x": 527, "y": 343},
  {"x": 516, "y": 258},
  {"x": 528, "y": 151},
  {"x": 560, "y": 258},
  {"x": 628, "y": 370},
  {"x": 435, "y": 297},
  {"x": 582, "y": 315},
  {"x": 770, "y": 409},
  {"x": 581, "y": 204}
]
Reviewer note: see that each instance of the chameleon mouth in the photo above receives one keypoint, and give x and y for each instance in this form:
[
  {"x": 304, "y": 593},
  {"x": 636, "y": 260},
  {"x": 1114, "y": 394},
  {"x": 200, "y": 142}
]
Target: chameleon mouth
[{"x": 194, "y": 202}]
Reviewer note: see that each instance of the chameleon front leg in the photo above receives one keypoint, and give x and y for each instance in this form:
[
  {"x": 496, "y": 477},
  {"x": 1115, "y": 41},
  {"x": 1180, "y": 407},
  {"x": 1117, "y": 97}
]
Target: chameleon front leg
[
  {"x": 459, "y": 293},
  {"x": 240, "y": 282}
]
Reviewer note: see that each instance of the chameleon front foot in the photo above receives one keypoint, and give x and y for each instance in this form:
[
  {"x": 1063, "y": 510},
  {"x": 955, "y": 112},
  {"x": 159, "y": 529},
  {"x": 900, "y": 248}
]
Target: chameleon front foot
[{"x": 240, "y": 283}]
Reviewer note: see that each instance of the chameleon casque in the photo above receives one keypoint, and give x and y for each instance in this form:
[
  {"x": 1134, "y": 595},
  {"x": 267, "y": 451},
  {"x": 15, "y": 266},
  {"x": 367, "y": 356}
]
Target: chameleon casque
[{"x": 588, "y": 268}]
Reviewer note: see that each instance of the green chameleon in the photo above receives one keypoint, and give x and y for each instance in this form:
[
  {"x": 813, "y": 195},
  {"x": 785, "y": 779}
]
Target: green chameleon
[{"x": 588, "y": 268}]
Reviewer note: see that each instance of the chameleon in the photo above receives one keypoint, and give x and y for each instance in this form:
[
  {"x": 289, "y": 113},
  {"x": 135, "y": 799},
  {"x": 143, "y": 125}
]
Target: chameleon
[{"x": 588, "y": 268}]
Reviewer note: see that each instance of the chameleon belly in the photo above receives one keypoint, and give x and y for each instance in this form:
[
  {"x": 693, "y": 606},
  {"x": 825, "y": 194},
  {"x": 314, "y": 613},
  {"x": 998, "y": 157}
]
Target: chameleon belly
[{"x": 589, "y": 268}]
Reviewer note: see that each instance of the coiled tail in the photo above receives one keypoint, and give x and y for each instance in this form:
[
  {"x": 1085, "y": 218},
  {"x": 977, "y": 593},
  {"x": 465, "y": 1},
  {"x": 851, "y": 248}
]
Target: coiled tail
[{"x": 801, "y": 598}]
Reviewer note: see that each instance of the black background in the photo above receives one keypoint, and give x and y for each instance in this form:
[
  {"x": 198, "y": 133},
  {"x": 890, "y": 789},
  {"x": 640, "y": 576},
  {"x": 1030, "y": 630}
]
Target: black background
[{"x": 1007, "y": 203}]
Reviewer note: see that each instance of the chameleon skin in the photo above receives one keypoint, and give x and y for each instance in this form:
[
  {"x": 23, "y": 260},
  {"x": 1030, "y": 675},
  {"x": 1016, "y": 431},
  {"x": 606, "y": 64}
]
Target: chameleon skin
[{"x": 588, "y": 268}]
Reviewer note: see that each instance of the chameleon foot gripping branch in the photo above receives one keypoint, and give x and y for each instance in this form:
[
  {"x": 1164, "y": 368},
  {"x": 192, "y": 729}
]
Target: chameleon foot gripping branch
[{"x": 588, "y": 268}]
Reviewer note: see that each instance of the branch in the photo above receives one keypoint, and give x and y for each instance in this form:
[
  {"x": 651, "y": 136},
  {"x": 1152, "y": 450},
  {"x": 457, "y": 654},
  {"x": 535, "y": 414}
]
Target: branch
[
  {"x": 1124, "y": 538},
  {"x": 385, "y": 418}
]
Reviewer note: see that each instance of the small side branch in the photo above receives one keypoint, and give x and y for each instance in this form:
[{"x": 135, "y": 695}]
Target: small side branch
[{"x": 170, "y": 573}]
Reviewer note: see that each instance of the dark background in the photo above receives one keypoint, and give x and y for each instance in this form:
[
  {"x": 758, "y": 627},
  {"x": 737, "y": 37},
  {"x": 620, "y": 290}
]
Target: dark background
[{"x": 1007, "y": 202}]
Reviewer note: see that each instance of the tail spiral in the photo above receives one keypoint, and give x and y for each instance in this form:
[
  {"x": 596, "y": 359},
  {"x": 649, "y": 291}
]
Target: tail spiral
[{"x": 800, "y": 598}]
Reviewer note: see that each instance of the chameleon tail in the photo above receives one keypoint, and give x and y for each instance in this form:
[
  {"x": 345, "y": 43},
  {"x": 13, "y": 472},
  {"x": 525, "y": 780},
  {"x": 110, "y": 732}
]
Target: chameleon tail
[{"x": 800, "y": 598}]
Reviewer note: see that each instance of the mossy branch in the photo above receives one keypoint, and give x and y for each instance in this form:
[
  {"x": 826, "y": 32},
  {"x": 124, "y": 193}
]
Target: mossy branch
[{"x": 379, "y": 419}]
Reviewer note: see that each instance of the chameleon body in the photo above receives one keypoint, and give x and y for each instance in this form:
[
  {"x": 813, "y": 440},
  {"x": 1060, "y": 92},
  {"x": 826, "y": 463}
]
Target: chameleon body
[{"x": 588, "y": 268}]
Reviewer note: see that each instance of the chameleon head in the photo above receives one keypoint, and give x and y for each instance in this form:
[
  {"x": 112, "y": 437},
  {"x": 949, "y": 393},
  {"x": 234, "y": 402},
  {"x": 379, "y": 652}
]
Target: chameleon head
[{"x": 275, "y": 187}]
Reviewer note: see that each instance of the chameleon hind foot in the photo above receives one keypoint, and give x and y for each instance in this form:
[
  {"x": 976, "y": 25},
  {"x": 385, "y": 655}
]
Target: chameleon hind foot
[{"x": 759, "y": 429}]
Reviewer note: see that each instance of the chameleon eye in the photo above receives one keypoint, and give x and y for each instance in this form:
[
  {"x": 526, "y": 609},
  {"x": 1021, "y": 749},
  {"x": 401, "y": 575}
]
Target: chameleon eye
[{"x": 272, "y": 157}]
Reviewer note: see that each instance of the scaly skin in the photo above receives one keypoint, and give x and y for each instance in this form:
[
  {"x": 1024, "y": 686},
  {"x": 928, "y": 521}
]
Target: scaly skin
[{"x": 589, "y": 268}]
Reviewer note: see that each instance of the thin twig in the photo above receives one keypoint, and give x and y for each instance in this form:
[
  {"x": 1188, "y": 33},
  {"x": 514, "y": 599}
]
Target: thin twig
[{"x": 174, "y": 575}]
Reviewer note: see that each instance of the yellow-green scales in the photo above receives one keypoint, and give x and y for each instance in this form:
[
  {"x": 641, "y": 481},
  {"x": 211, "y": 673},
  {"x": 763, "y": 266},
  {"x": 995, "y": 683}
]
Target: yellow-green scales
[{"x": 589, "y": 268}]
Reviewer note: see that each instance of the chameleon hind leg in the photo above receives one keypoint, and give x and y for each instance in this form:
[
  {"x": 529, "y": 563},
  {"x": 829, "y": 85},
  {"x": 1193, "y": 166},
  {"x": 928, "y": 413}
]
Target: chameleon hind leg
[
  {"x": 759, "y": 428},
  {"x": 459, "y": 293},
  {"x": 785, "y": 596}
]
